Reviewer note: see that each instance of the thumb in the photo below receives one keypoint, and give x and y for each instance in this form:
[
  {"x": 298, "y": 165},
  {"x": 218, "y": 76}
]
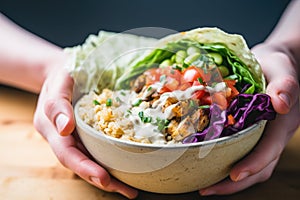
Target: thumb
[
  {"x": 281, "y": 75},
  {"x": 284, "y": 92},
  {"x": 57, "y": 105}
]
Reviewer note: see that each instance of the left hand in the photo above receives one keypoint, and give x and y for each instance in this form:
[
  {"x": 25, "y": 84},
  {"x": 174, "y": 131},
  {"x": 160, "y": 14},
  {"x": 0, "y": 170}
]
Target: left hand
[
  {"x": 283, "y": 88},
  {"x": 54, "y": 119}
]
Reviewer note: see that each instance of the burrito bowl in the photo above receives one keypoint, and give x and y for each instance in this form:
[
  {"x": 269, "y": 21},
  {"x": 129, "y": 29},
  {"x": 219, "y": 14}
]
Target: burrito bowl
[{"x": 178, "y": 118}]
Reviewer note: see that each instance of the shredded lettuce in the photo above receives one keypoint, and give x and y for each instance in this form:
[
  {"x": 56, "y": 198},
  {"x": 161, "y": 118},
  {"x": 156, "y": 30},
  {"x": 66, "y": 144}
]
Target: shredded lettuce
[
  {"x": 102, "y": 58},
  {"x": 239, "y": 70}
]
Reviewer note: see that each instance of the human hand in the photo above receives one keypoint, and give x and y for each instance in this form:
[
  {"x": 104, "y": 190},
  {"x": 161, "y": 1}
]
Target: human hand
[
  {"x": 55, "y": 121},
  {"x": 283, "y": 87}
]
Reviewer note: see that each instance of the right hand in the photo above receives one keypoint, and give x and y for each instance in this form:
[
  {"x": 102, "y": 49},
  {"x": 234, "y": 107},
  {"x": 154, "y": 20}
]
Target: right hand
[{"x": 283, "y": 88}]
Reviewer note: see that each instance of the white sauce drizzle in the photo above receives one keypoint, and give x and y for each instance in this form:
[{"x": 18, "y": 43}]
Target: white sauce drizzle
[{"x": 149, "y": 130}]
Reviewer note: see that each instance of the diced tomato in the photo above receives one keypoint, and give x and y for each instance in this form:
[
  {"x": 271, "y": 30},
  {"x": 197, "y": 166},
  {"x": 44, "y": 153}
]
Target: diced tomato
[
  {"x": 195, "y": 83},
  {"x": 234, "y": 91},
  {"x": 219, "y": 98},
  {"x": 206, "y": 99},
  {"x": 170, "y": 85},
  {"x": 170, "y": 72},
  {"x": 193, "y": 73},
  {"x": 198, "y": 94},
  {"x": 152, "y": 75},
  {"x": 184, "y": 85},
  {"x": 164, "y": 89}
]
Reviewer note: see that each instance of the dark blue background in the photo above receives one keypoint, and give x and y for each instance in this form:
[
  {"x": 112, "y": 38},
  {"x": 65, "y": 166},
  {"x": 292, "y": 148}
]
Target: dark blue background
[{"x": 68, "y": 23}]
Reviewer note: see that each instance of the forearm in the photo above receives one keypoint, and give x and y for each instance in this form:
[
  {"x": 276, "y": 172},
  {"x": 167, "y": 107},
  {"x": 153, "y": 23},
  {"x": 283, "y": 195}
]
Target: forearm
[
  {"x": 25, "y": 59},
  {"x": 286, "y": 35}
]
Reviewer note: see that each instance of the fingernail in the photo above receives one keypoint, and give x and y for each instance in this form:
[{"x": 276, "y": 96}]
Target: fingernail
[
  {"x": 242, "y": 175},
  {"x": 207, "y": 192},
  {"x": 285, "y": 98},
  {"x": 96, "y": 180},
  {"x": 61, "y": 122}
]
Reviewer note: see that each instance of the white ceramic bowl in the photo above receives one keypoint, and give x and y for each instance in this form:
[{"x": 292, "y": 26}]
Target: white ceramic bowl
[{"x": 168, "y": 168}]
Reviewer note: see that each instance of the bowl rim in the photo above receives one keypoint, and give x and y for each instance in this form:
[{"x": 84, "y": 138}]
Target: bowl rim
[{"x": 98, "y": 134}]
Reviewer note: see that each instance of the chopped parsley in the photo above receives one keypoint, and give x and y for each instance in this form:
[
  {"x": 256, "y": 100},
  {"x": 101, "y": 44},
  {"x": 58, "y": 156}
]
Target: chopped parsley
[
  {"x": 176, "y": 67},
  {"x": 95, "y": 102},
  {"x": 161, "y": 123},
  {"x": 93, "y": 44},
  {"x": 144, "y": 118},
  {"x": 162, "y": 78},
  {"x": 204, "y": 106},
  {"x": 118, "y": 99},
  {"x": 109, "y": 102},
  {"x": 200, "y": 80},
  {"x": 96, "y": 92},
  {"x": 128, "y": 113},
  {"x": 137, "y": 102},
  {"x": 192, "y": 104}
]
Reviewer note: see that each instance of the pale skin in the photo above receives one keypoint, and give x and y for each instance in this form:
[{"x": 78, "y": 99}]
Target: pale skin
[
  {"x": 54, "y": 113},
  {"x": 33, "y": 64},
  {"x": 279, "y": 57}
]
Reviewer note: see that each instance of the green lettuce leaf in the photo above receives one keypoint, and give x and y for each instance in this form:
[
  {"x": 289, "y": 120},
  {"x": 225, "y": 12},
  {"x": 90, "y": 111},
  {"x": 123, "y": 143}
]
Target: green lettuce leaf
[{"x": 239, "y": 70}]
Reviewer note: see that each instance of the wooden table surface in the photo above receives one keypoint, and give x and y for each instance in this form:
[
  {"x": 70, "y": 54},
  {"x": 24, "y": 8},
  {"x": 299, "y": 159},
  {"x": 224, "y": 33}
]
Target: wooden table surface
[{"x": 29, "y": 169}]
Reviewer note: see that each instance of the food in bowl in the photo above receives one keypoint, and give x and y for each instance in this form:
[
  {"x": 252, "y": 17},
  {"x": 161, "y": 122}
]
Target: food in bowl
[
  {"x": 194, "y": 86},
  {"x": 168, "y": 161}
]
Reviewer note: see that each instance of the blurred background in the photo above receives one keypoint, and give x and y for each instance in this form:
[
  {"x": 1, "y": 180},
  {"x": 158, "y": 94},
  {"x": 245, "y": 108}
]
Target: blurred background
[{"x": 68, "y": 22}]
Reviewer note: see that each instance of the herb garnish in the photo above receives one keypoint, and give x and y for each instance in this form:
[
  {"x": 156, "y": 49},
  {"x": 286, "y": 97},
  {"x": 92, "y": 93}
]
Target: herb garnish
[
  {"x": 95, "y": 102},
  {"x": 118, "y": 99},
  {"x": 204, "y": 106},
  {"x": 200, "y": 80},
  {"x": 162, "y": 78},
  {"x": 137, "y": 102},
  {"x": 144, "y": 118},
  {"x": 109, "y": 102},
  {"x": 161, "y": 123}
]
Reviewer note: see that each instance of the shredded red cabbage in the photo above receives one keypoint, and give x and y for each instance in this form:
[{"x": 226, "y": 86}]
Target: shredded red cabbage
[
  {"x": 247, "y": 109},
  {"x": 214, "y": 130}
]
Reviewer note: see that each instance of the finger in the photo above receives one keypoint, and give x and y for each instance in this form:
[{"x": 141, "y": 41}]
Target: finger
[
  {"x": 72, "y": 158},
  {"x": 58, "y": 106},
  {"x": 228, "y": 186},
  {"x": 67, "y": 153},
  {"x": 283, "y": 91},
  {"x": 60, "y": 113},
  {"x": 80, "y": 145},
  {"x": 283, "y": 86},
  {"x": 268, "y": 150},
  {"x": 276, "y": 136},
  {"x": 121, "y": 188}
]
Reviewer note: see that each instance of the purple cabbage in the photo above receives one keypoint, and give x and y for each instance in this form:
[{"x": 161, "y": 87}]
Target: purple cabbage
[
  {"x": 247, "y": 109},
  {"x": 214, "y": 130}
]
